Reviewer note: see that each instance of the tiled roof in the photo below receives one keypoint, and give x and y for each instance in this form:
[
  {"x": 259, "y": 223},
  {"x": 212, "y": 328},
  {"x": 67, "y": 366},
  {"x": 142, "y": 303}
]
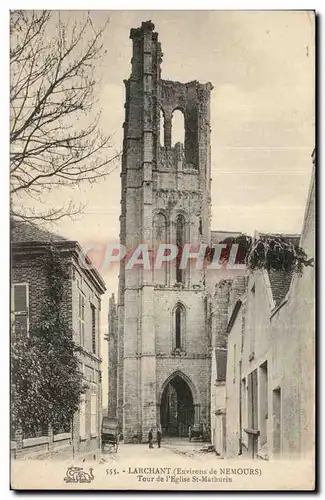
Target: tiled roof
[
  {"x": 280, "y": 281},
  {"x": 221, "y": 363},
  {"x": 27, "y": 232}
]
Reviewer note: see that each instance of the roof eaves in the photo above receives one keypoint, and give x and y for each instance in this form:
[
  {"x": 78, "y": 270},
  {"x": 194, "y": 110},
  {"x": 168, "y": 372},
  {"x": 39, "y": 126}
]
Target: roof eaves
[
  {"x": 234, "y": 315},
  {"x": 89, "y": 268}
]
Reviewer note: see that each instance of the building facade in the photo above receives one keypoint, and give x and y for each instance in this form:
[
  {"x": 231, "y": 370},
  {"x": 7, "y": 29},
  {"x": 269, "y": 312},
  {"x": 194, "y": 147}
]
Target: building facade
[
  {"x": 81, "y": 307},
  {"x": 163, "y": 343},
  {"x": 270, "y": 381}
]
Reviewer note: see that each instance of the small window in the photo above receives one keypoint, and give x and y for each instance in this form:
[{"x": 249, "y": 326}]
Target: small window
[
  {"x": 82, "y": 319},
  {"x": 93, "y": 328},
  {"x": 20, "y": 308}
]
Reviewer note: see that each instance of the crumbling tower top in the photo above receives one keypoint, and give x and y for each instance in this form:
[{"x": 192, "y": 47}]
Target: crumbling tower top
[
  {"x": 146, "y": 26},
  {"x": 151, "y": 103}
]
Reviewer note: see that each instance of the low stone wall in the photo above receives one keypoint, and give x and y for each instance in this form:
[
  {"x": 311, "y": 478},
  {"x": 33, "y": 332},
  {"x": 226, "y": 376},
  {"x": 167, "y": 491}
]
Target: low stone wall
[
  {"x": 39, "y": 447},
  {"x": 57, "y": 446}
]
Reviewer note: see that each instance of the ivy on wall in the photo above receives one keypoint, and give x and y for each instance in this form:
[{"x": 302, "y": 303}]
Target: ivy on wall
[
  {"x": 278, "y": 254},
  {"x": 46, "y": 383},
  {"x": 266, "y": 252}
]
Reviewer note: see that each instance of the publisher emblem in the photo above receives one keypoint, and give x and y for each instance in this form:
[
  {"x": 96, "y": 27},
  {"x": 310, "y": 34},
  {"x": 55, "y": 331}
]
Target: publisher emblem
[{"x": 78, "y": 475}]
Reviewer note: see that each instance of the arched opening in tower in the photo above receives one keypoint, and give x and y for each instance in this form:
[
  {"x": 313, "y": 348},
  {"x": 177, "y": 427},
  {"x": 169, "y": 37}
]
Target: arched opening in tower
[
  {"x": 180, "y": 241},
  {"x": 161, "y": 128},
  {"x": 178, "y": 127},
  {"x": 177, "y": 408}
]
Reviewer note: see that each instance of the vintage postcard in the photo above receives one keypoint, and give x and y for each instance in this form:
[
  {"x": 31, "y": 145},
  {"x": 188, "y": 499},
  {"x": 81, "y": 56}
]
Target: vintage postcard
[{"x": 162, "y": 179}]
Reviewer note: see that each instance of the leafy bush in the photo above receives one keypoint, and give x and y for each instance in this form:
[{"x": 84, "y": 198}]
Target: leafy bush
[{"x": 265, "y": 252}]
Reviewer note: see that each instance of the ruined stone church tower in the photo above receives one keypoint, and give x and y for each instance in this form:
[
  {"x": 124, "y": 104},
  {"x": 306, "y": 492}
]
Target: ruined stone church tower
[{"x": 163, "y": 365}]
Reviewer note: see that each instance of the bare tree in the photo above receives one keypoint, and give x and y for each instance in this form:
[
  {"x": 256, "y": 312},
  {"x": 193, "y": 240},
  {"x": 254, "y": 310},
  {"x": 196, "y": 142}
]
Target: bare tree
[{"x": 54, "y": 132}]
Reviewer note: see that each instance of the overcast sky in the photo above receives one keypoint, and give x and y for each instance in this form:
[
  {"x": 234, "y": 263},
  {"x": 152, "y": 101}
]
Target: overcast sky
[{"x": 261, "y": 64}]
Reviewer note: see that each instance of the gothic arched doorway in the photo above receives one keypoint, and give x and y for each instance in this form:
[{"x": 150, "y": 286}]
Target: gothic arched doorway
[{"x": 176, "y": 408}]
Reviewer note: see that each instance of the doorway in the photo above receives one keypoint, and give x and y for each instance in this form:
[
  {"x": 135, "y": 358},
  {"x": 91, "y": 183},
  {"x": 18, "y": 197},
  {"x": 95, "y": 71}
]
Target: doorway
[{"x": 177, "y": 408}]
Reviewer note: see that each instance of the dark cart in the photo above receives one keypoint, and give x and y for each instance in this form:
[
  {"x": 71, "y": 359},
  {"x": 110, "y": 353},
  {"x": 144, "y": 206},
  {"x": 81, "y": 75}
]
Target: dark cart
[
  {"x": 195, "y": 431},
  {"x": 110, "y": 434}
]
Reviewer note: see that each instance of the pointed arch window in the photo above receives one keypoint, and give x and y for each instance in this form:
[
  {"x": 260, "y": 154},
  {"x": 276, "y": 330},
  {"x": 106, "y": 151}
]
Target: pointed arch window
[
  {"x": 178, "y": 127},
  {"x": 179, "y": 327},
  {"x": 180, "y": 240}
]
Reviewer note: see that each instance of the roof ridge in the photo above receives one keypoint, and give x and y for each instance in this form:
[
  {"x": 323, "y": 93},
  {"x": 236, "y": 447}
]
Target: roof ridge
[{"x": 29, "y": 232}]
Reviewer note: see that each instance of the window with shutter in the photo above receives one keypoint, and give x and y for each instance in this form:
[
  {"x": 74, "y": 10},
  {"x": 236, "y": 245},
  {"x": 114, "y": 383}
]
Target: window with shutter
[
  {"x": 20, "y": 308},
  {"x": 82, "y": 417},
  {"x": 93, "y": 412}
]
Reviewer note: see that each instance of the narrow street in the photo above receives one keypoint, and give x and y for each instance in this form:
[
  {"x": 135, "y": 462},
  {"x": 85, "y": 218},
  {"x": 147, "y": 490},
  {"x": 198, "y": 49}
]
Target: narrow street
[{"x": 173, "y": 450}]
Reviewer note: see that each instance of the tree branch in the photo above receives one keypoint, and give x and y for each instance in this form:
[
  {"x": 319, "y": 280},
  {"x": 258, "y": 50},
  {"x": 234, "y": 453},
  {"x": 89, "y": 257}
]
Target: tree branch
[{"x": 54, "y": 140}]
